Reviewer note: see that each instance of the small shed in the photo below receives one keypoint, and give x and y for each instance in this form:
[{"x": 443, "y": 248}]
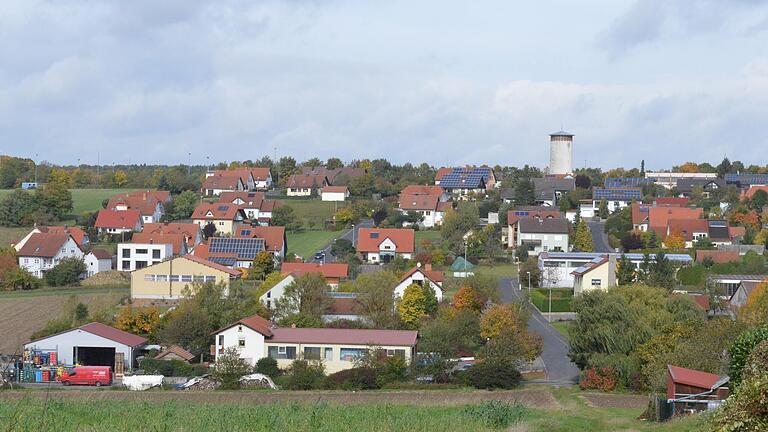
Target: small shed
[
  {"x": 334, "y": 193},
  {"x": 175, "y": 352},
  {"x": 93, "y": 344},
  {"x": 691, "y": 390},
  {"x": 462, "y": 268},
  {"x": 96, "y": 261}
]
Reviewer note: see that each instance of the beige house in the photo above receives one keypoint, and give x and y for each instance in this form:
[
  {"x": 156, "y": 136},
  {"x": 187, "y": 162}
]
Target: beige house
[
  {"x": 600, "y": 273},
  {"x": 225, "y": 217},
  {"x": 255, "y": 338},
  {"x": 166, "y": 280}
]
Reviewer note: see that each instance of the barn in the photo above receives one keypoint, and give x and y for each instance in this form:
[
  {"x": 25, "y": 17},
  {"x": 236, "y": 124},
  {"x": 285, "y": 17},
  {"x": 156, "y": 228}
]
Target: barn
[{"x": 93, "y": 344}]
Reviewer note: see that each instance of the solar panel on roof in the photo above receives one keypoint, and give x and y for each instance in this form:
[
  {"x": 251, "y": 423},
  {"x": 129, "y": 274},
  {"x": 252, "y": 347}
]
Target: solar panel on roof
[
  {"x": 617, "y": 182},
  {"x": 225, "y": 261},
  {"x": 747, "y": 179},
  {"x": 223, "y": 208},
  {"x": 617, "y": 194},
  {"x": 244, "y": 248}
]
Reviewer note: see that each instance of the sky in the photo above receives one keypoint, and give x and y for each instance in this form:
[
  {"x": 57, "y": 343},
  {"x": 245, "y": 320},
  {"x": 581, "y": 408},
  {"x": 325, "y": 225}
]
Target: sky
[{"x": 442, "y": 82}]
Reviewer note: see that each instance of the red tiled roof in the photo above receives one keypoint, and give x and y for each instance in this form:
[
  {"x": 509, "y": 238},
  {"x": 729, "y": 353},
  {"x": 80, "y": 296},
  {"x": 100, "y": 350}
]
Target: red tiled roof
[
  {"x": 144, "y": 201},
  {"x": 101, "y": 254},
  {"x": 175, "y": 349},
  {"x": 369, "y": 239},
  {"x": 345, "y": 336},
  {"x": 305, "y": 181},
  {"x": 210, "y": 264},
  {"x": 441, "y": 172},
  {"x": 717, "y": 256},
  {"x": 444, "y": 206},
  {"x": 190, "y": 230},
  {"x": 250, "y": 199},
  {"x": 118, "y": 219},
  {"x": 658, "y": 217},
  {"x": 113, "y": 334},
  {"x": 687, "y": 227},
  {"x": 671, "y": 201},
  {"x": 45, "y": 245},
  {"x": 640, "y": 213},
  {"x": 268, "y": 205},
  {"x": 692, "y": 377},
  {"x": 343, "y": 306},
  {"x": 78, "y": 235},
  {"x": 335, "y": 189},
  {"x": 255, "y": 323},
  {"x": 418, "y": 202},
  {"x": 175, "y": 240},
  {"x": 274, "y": 236},
  {"x": 749, "y": 193},
  {"x": 700, "y": 299},
  {"x": 222, "y": 182},
  {"x": 434, "y": 275},
  {"x": 737, "y": 231},
  {"x": 330, "y": 270},
  {"x": 217, "y": 210},
  {"x": 422, "y": 190}
]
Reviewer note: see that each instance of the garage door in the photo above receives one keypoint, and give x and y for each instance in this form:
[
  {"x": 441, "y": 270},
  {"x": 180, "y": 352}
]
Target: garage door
[{"x": 94, "y": 356}]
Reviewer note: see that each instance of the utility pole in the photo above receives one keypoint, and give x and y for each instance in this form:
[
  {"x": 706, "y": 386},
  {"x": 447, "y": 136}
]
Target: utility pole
[
  {"x": 550, "y": 303},
  {"x": 35, "y": 170},
  {"x": 529, "y": 286},
  {"x": 189, "y": 164},
  {"x": 98, "y": 166}
]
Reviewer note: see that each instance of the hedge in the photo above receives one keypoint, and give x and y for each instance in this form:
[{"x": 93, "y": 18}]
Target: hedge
[{"x": 560, "y": 303}]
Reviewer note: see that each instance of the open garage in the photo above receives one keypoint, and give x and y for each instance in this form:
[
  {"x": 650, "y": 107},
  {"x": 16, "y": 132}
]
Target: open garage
[{"x": 93, "y": 344}]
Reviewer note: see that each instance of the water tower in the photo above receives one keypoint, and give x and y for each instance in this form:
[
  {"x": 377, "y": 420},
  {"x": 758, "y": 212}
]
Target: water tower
[{"x": 560, "y": 153}]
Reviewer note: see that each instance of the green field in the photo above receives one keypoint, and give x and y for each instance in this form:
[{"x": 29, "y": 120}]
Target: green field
[
  {"x": 84, "y": 199},
  {"x": 564, "y": 411},
  {"x": 561, "y": 299},
  {"x": 10, "y": 235},
  {"x": 313, "y": 210},
  {"x": 499, "y": 270},
  {"x": 306, "y": 243},
  {"x": 432, "y": 236},
  {"x": 65, "y": 291}
]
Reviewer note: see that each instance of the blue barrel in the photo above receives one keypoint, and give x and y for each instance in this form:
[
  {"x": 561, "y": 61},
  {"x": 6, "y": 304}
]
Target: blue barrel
[{"x": 38, "y": 376}]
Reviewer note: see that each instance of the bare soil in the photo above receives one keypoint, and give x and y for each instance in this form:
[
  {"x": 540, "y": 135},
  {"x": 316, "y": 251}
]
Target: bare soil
[
  {"x": 533, "y": 398},
  {"x": 608, "y": 400}
]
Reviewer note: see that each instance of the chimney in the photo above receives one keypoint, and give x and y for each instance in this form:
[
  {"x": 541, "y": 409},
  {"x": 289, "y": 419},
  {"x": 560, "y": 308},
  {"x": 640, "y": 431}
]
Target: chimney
[
  {"x": 428, "y": 267},
  {"x": 293, "y": 325}
]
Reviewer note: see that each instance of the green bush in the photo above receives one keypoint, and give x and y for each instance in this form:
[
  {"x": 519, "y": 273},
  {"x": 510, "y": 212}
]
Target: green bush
[
  {"x": 176, "y": 368},
  {"x": 66, "y": 272},
  {"x": 561, "y": 301},
  {"x": 491, "y": 374},
  {"x": 268, "y": 367},
  {"x": 694, "y": 275},
  {"x": 304, "y": 375},
  {"x": 497, "y": 414},
  {"x": 230, "y": 368},
  {"x": 361, "y": 378},
  {"x": 741, "y": 349},
  {"x": 393, "y": 369}
]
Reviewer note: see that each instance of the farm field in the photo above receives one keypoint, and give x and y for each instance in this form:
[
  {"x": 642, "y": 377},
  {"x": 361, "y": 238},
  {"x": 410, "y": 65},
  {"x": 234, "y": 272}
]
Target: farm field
[
  {"x": 546, "y": 410},
  {"x": 312, "y": 210},
  {"x": 10, "y": 235},
  {"x": 306, "y": 243},
  {"x": 23, "y": 313},
  {"x": 84, "y": 199}
]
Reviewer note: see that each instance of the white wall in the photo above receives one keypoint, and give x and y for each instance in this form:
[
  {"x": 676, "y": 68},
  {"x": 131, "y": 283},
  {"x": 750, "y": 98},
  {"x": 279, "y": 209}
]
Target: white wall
[
  {"x": 418, "y": 277},
  {"x": 95, "y": 265},
  {"x": 333, "y": 196},
  {"x": 254, "y": 343},
  {"x": 129, "y": 263},
  {"x": 38, "y": 265},
  {"x": 276, "y": 292}
]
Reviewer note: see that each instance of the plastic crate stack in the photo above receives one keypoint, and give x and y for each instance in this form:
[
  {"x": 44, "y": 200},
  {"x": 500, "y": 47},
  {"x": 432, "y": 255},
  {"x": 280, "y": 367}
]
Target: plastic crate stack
[{"x": 39, "y": 366}]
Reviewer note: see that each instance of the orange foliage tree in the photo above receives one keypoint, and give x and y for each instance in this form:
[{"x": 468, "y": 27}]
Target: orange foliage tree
[
  {"x": 675, "y": 241},
  {"x": 140, "y": 321},
  {"x": 755, "y": 311},
  {"x": 466, "y": 298}
]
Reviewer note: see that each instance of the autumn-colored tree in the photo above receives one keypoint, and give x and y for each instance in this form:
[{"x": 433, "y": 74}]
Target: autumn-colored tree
[
  {"x": 344, "y": 216},
  {"x": 413, "y": 307},
  {"x": 675, "y": 241},
  {"x": 467, "y": 299},
  {"x": 689, "y": 167},
  {"x": 755, "y": 311},
  {"x": 61, "y": 178},
  {"x": 263, "y": 264},
  {"x": 582, "y": 238},
  {"x": 140, "y": 321},
  {"x": 748, "y": 218},
  {"x": 500, "y": 319},
  {"x": 120, "y": 178}
]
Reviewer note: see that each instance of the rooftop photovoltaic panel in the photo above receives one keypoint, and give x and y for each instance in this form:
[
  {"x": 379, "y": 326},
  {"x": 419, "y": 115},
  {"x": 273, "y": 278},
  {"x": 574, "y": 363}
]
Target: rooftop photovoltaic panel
[
  {"x": 626, "y": 194},
  {"x": 225, "y": 261},
  {"x": 244, "y": 248},
  {"x": 462, "y": 180},
  {"x": 747, "y": 179},
  {"x": 616, "y": 182},
  {"x": 223, "y": 208}
]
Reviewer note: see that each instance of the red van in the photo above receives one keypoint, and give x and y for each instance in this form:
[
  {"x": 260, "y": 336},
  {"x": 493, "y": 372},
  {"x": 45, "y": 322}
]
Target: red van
[{"x": 88, "y": 375}]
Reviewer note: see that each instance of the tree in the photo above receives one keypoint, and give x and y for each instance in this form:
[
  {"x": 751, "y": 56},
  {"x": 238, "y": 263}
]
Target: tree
[
  {"x": 413, "y": 307},
  {"x": 18, "y": 278},
  {"x": 141, "y": 321},
  {"x": 55, "y": 196},
  {"x": 334, "y": 163},
  {"x": 66, "y": 272},
  {"x": 456, "y": 223},
  {"x": 380, "y": 215},
  {"x": 741, "y": 349},
  {"x": 341, "y": 248},
  {"x": 524, "y": 191},
  {"x": 209, "y": 230},
  {"x": 759, "y": 200},
  {"x": 467, "y": 299},
  {"x": 450, "y": 333},
  {"x": 625, "y": 271},
  {"x": 286, "y": 167},
  {"x": 183, "y": 205},
  {"x": 675, "y": 241},
  {"x": 268, "y": 366},
  {"x": 631, "y": 241},
  {"x": 229, "y": 368},
  {"x": 263, "y": 264},
  {"x": 755, "y": 311},
  {"x": 531, "y": 265},
  {"x": 285, "y": 216},
  {"x": 120, "y": 178},
  {"x": 583, "y": 181},
  {"x": 375, "y": 297},
  {"x": 344, "y": 216},
  {"x": 500, "y": 319},
  {"x": 362, "y": 185},
  {"x": 602, "y": 210},
  {"x": 582, "y": 238},
  {"x": 306, "y": 296},
  {"x": 18, "y": 208}
]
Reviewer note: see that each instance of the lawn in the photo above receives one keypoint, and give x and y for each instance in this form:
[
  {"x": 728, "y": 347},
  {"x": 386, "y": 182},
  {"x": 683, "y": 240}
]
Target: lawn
[
  {"x": 306, "y": 243},
  {"x": 430, "y": 235},
  {"x": 561, "y": 327},
  {"x": 564, "y": 410},
  {"x": 499, "y": 270},
  {"x": 314, "y": 211},
  {"x": 10, "y": 235},
  {"x": 561, "y": 299},
  {"x": 84, "y": 199}
]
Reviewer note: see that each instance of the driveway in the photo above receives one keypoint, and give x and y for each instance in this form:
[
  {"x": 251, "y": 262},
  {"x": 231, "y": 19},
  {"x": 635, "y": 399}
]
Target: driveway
[
  {"x": 559, "y": 368},
  {"x": 599, "y": 237},
  {"x": 347, "y": 235}
]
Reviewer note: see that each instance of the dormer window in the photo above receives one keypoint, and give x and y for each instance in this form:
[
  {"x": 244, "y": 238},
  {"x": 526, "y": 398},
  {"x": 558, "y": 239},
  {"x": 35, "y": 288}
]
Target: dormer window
[{"x": 240, "y": 328}]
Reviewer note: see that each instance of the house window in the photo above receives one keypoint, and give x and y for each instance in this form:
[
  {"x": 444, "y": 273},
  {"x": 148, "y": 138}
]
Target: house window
[
  {"x": 148, "y": 278},
  {"x": 221, "y": 339},
  {"x": 396, "y": 353},
  {"x": 281, "y": 352},
  {"x": 241, "y": 343},
  {"x": 210, "y": 279},
  {"x": 175, "y": 278},
  {"x": 351, "y": 354},
  {"x": 142, "y": 251},
  {"x": 140, "y": 264},
  {"x": 597, "y": 282},
  {"x": 221, "y": 223},
  {"x": 162, "y": 278},
  {"x": 199, "y": 279},
  {"x": 186, "y": 278},
  {"x": 240, "y": 328},
  {"x": 156, "y": 254},
  {"x": 312, "y": 353},
  {"x": 126, "y": 265},
  {"x": 328, "y": 354}
]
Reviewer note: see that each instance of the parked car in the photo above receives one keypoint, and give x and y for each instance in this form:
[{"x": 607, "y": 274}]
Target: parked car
[
  {"x": 319, "y": 255},
  {"x": 88, "y": 375}
]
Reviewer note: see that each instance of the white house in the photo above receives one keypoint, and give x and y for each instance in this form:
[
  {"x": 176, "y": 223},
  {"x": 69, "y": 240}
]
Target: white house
[
  {"x": 119, "y": 221},
  {"x": 542, "y": 235},
  {"x": 255, "y": 338},
  {"x": 381, "y": 245},
  {"x": 429, "y": 207},
  {"x": 148, "y": 203},
  {"x": 133, "y": 256},
  {"x": 42, "y": 251},
  {"x": 615, "y": 198},
  {"x": 97, "y": 260},
  {"x": 276, "y": 292},
  {"x": 305, "y": 185},
  {"x": 217, "y": 182},
  {"x": 334, "y": 193},
  {"x": 93, "y": 344},
  {"x": 421, "y": 276}
]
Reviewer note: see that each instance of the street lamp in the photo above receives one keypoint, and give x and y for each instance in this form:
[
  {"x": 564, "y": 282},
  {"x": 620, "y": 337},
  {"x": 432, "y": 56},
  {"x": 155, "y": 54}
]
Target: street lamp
[
  {"x": 189, "y": 164},
  {"x": 529, "y": 285},
  {"x": 353, "y": 235},
  {"x": 550, "y": 303}
]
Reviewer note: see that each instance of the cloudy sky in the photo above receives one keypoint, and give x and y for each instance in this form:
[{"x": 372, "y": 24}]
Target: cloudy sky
[{"x": 439, "y": 81}]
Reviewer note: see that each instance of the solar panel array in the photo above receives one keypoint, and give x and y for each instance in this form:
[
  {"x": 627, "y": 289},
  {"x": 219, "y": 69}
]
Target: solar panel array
[
  {"x": 617, "y": 182},
  {"x": 617, "y": 194},
  {"x": 225, "y": 261},
  {"x": 463, "y": 178},
  {"x": 747, "y": 179},
  {"x": 244, "y": 248}
]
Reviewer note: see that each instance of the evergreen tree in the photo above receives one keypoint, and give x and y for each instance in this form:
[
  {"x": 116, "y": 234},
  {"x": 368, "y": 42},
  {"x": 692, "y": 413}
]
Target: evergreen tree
[
  {"x": 582, "y": 238},
  {"x": 603, "y": 209},
  {"x": 642, "y": 167},
  {"x": 625, "y": 271}
]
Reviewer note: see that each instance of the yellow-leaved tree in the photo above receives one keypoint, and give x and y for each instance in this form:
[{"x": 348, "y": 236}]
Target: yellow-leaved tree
[
  {"x": 466, "y": 298},
  {"x": 755, "y": 311},
  {"x": 141, "y": 321},
  {"x": 675, "y": 241},
  {"x": 413, "y": 307}
]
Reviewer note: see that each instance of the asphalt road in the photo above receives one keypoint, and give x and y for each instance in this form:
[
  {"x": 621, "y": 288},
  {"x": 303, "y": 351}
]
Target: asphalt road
[
  {"x": 599, "y": 237},
  {"x": 559, "y": 368},
  {"x": 347, "y": 235}
]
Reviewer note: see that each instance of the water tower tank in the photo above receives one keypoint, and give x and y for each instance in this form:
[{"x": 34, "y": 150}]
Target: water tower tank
[{"x": 560, "y": 153}]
